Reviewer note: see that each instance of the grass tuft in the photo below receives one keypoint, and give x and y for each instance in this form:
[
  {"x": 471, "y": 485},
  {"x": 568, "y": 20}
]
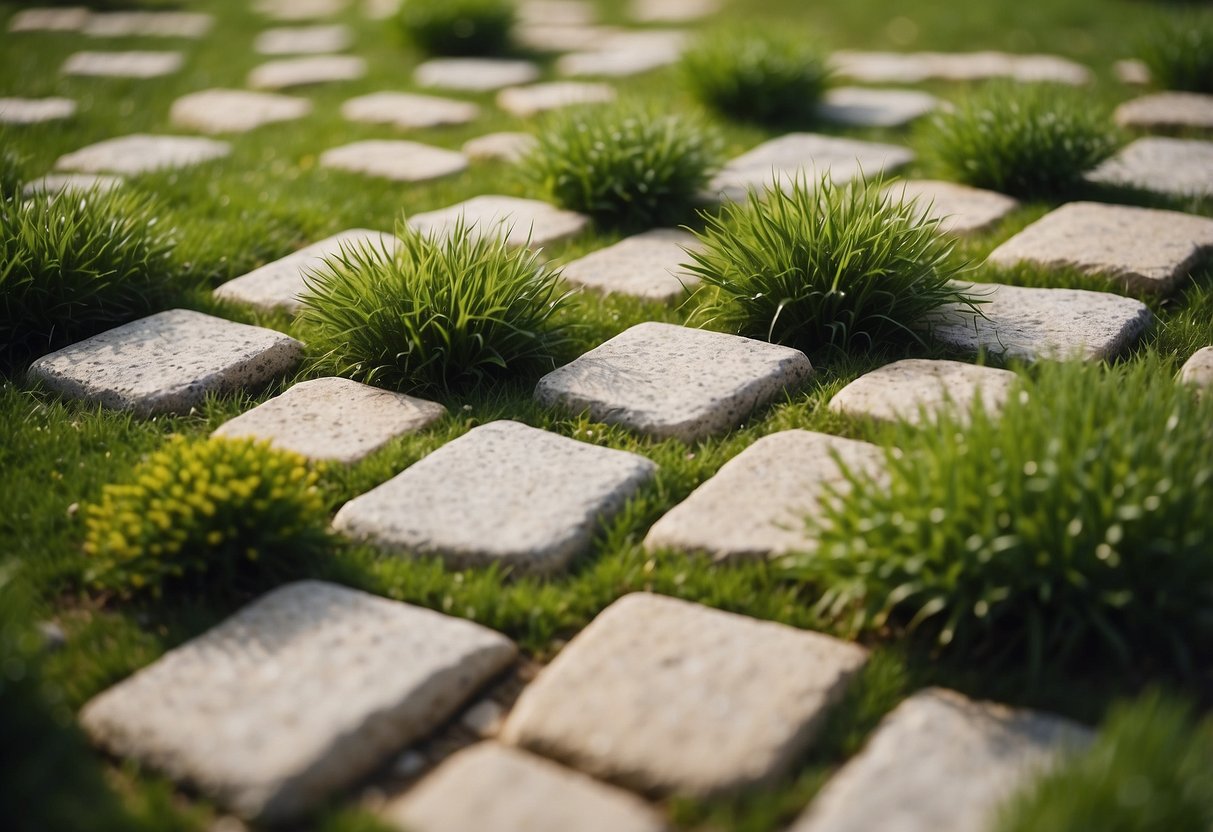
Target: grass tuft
[
  {"x": 1179, "y": 53},
  {"x": 458, "y": 27}
]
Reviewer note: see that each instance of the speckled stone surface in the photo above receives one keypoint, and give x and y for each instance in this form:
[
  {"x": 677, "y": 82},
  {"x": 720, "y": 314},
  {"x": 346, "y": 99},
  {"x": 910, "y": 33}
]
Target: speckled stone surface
[
  {"x": 1168, "y": 111},
  {"x": 140, "y": 153},
  {"x": 538, "y": 98},
  {"x": 647, "y": 265},
  {"x": 959, "y": 208},
  {"x": 1144, "y": 249},
  {"x": 1176, "y": 167},
  {"x": 505, "y": 146},
  {"x": 521, "y": 221},
  {"x": 35, "y": 110},
  {"x": 407, "y": 110},
  {"x": 299, "y": 72},
  {"x": 940, "y": 763},
  {"x": 475, "y": 74},
  {"x": 672, "y": 381},
  {"x": 69, "y": 19},
  {"x": 916, "y": 387},
  {"x": 1198, "y": 369},
  {"x": 304, "y": 40},
  {"x": 504, "y": 493},
  {"x": 279, "y": 284},
  {"x": 663, "y": 695},
  {"x": 756, "y": 505},
  {"x": 168, "y": 362},
  {"x": 543, "y": 37},
  {"x": 671, "y": 11},
  {"x": 1043, "y": 323},
  {"x": 164, "y": 24},
  {"x": 809, "y": 156},
  {"x": 625, "y": 53},
  {"x": 334, "y": 419},
  {"x": 914, "y": 67},
  {"x": 866, "y": 107},
  {"x": 54, "y": 182},
  {"x": 295, "y": 10},
  {"x": 131, "y": 64},
  {"x": 295, "y": 696},
  {"x": 235, "y": 111},
  {"x": 494, "y": 787},
  {"x": 397, "y": 160}
]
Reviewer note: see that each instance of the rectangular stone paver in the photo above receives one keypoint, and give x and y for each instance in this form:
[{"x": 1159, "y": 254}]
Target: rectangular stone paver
[
  {"x": 663, "y": 695},
  {"x": 53, "y": 183},
  {"x": 148, "y": 24},
  {"x": 940, "y": 763},
  {"x": 296, "y": 10},
  {"x": 131, "y": 64},
  {"x": 504, "y": 493},
  {"x": 1168, "y": 111},
  {"x": 475, "y": 74},
  {"x": 626, "y": 53},
  {"x": 914, "y": 67},
  {"x": 545, "y": 37},
  {"x": 141, "y": 153},
  {"x": 334, "y": 419},
  {"x": 865, "y": 107},
  {"x": 35, "y": 110},
  {"x": 671, "y": 11},
  {"x": 168, "y": 362},
  {"x": 406, "y": 110},
  {"x": 68, "y": 19},
  {"x": 397, "y": 160},
  {"x": 538, "y": 98},
  {"x": 1175, "y": 167},
  {"x": 235, "y": 111},
  {"x": 494, "y": 787},
  {"x": 758, "y": 503},
  {"x": 299, "y": 72},
  {"x": 1143, "y": 249},
  {"x": 507, "y": 146},
  {"x": 304, "y": 40},
  {"x": 297, "y": 695},
  {"x": 959, "y": 208},
  {"x": 558, "y": 12},
  {"x": 1198, "y": 369},
  {"x": 278, "y": 285},
  {"x": 647, "y": 265},
  {"x": 915, "y": 389},
  {"x": 676, "y": 382},
  {"x": 521, "y": 221}
]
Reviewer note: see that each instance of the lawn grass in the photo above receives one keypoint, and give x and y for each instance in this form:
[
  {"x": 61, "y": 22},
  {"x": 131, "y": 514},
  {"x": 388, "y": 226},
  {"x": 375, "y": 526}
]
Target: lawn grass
[{"x": 270, "y": 198}]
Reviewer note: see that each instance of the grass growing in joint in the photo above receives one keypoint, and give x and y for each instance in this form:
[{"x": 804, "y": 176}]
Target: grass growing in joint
[
  {"x": 1179, "y": 53},
  {"x": 458, "y": 27}
]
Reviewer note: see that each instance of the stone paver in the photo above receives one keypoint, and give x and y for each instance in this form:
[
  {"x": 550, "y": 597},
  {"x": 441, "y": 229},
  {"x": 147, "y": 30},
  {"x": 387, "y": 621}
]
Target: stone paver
[
  {"x": 132, "y": 64},
  {"x": 297, "y": 10},
  {"x": 380, "y": 9},
  {"x": 494, "y": 787},
  {"x": 866, "y": 107},
  {"x": 334, "y": 419},
  {"x": 671, "y": 11},
  {"x": 141, "y": 153},
  {"x": 625, "y": 53},
  {"x": 278, "y": 285},
  {"x": 299, "y": 72},
  {"x": 504, "y": 493},
  {"x": 960, "y": 209},
  {"x": 475, "y": 74},
  {"x": 1168, "y": 111},
  {"x": 1144, "y": 249},
  {"x": 1043, "y": 323},
  {"x": 916, "y": 389},
  {"x": 543, "y": 37},
  {"x": 505, "y": 146},
  {"x": 297, "y": 695},
  {"x": 521, "y": 221},
  {"x": 672, "y": 381},
  {"x": 557, "y": 12},
  {"x": 538, "y": 98},
  {"x": 397, "y": 160},
  {"x": 52, "y": 183},
  {"x": 70, "y": 19},
  {"x": 408, "y": 110},
  {"x": 808, "y": 156},
  {"x": 1176, "y": 167},
  {"x": 1132, "y": 71},
  {"x": 757, "y": 504},
  {"x": 168, "y": 362},
  {"x": 148, "y": 24},
  {"x": 304, "y": 40},
  {"x": 914, "y": 67},
  {"x": 940, "y": 763},
  {"x": 663, "y": 695},
  {"x": 235, "y": 111},
  {"x": 35, "y": 110},
  {"x": 1198, "y": 369},
  {"x": 647, "y": 265}
]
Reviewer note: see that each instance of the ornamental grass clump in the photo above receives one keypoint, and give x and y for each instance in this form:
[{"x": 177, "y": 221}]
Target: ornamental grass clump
[
  {"x": 458, "y": 27},
  {"x": 438, "y": 313},
  {"x": 1074, "y": 527},
  {"x": 625, "y": 165},
  {"x": 820, "y": 264},
  {"x": 1022, "y": 139},
  {"x": 1179, "y": 53},
  {"x": 216, "y": 514}
]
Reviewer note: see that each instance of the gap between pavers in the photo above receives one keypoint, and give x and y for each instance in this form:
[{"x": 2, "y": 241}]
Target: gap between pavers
[
  {"x": 648, "y": 265},
  {"x": 397, "y": 160},
  {"x": 235, "y": 111},
  {"x": 304, "y": 40},
  {"x": 959, "y": 209},
  {"x": 130, "y": 64},
  {"x": 35, "y": 110},
  {"x": 916, "y": 390},
  {"x": 522, "y": 222},
  {"x": 1174, "y": 167},
  {"x": 475, "y": 74},
  {"x": 408, "y": 110},
  {"x": 142, "y": 153}
]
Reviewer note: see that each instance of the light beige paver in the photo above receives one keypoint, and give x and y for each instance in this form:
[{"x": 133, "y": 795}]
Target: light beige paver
[
  {"x": 544, "y": 37},
  {"x": 142, "y": 153},
  {"x": 647, "y": 265},
  {"x": 1168, "y": 111},
  {"x": 299, "y": 72},
  {"x": 625, "y": 53},
  {"x": 298, "y": 10},
  {"x": 35, "y": 110},
  {"x": 1198, "y": 369},
  {"x": 304, "y": 40},
  {"x": 505, "y": 146},
  {"x": 1175, "y": 167},
  {"x": 538, "y": 98},
  {"x": 1132, "y": 71},
  {"x": 557, "y": 12},
  {"x": 867, "y": 107},
  {"x": 475, "y": 74},
  {"x": 959, "y": 208},
  {"x": 914, "y": 67},
  {"x": 397, "y": 160},
  {"x": 671, "y": 11},
  {"x": 408, "y": 110},
  {"x": 163, "y": 24},
  {"x": 918, "y": 389},
  {"x": 235, "y": 111},
  {"x": 53, "y": 183},
  {"x": 66, "y": 19},
  {"x": 130, "y": 64},
  {"x": 521, "y": 221}
]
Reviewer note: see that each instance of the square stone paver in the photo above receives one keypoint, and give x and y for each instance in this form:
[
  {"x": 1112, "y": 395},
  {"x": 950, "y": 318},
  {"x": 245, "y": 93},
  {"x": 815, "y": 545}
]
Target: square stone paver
[
  {"x": 69, "y": 19},
  {"x": 406, "y": 109},
  {"x": 521, "y": 221},
  {"x": 1175, "y": 167},
  {"x": 757, "y": 504},
  {"x": 506, "y": 146},
  {"x": 494, "y": 787},
  {"x": 35, "y": 110},
  {"x": 475, "y": 74},
  {"x": 279, "y": 285},
  {"x": 1168, "y": 111},
  {"x": 504, "y": 493},
  {"x": 397, "y": 160},
  {"x": 940, "y": 763},
  {"x": 1143, "y": 249},
  {"x": 914, "y": 67},
  {"x": 671, "y": 11},
  {"x": 299, "y": 72},
  {"x": 538, "y": 98},
  {"x": 334, "y": 419},
  {"x": 1043, "y": 323},
  {"x": 148, "y": 24},
  {"x": 296, "y": 10},
  {"x": 168, "y": 362},
  {"x": 131, "y": 64},
  {"x": 663, "y": 695},
  {"x": 1198, "y": 369},
  {"x": 647, "y": 265},
  {"x": 235, "y": 111},
  {"x": 917, "y": 389},
  {"x": 297, "y": 695},
  {"x": 141, "y": 153},
  {"x": 53, "y": 183},
  {"x": 959, "y": 208},
  {"x": 674, "y": 382},
  {"x": 866, "y": 107},
  {"x": 304, "y": 40}
]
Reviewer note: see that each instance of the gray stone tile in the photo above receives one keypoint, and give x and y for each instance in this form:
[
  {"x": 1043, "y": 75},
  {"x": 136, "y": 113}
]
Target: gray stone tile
[
  {"x": 300, "y": 10},
  {"x": 1143, "y": 249},
  {"x": 164, "y": 24},
  {"x": 662, "y": 695},
  {"x": 866, "y": 107},
  {"x": 505, "y": 146},
  {"x": 521, "y": 221},
  {"x": 504, "y": 493},
  {"x": 914, "y": 67},
  {"x": 235, "y": 111},
  {"x": 296, "y": 696},
  {"x": 676, "y": 382},
  {"x": 1198, "y": 369},
  {"x": 131, "y": 64},
  {"x": 940, "y": 763},
  {"x": 1175, "y": 167},
  {"x": 397, "y": 160},
  {"x": 304, "y": 40},
  {"x": 915, "y": 390},
  {"x": 647, "y": 265},
  {"x": 959, "y": 208},
  {"x": 475, "y": 74},
  {"x": 544, "y": 37},
  {"x": 1168, "y": 111},
  {"x": 757, "y": 504},
  {"x": 299, "y": 72},
  {"x": 141, "y": 153},
  {"x": 52, "y": 183},
  {"x": 408, "y": 110},
  {"x": 67, "y": 19},
  {"x": 538, "y": 98},
  {"x": 35, "y": 110},
  {"x": 671, "y": 11},
  {"x": 168, "y": 362}
]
